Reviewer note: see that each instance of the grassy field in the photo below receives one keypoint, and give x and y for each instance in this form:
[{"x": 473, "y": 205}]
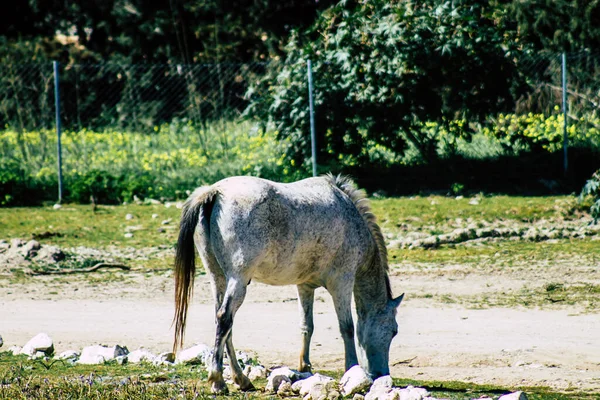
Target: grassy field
[
  {"x": 104, "y": 226},
  {"x": 21, "y": 378},
  {"x": 156, "y": 226}
]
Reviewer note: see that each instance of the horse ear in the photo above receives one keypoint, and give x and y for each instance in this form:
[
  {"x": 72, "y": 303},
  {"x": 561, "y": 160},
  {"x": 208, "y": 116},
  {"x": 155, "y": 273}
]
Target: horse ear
[{"x": 396, "y": 302}]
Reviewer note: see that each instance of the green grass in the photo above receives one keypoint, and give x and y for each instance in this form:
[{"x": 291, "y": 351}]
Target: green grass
[
  {"x": 503, "y": 254},
  {"x": 585, "y": 295},
  {"x": 79, "y": 225},
  {"x": 21, "y": 378},
  {"x": 116, "y": 165},
  {"x": 425, "y": 211}
]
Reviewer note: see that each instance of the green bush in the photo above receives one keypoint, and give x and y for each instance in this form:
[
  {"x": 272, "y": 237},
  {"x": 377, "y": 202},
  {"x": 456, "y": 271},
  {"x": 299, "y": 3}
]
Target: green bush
[
  {"x": 113, "y": 166},
  {"x": 592, "y": 189},
  {"x": 538, "y": 132},
  {"x": 383, "y": 70},
  {"x": 19, "y": 188}
]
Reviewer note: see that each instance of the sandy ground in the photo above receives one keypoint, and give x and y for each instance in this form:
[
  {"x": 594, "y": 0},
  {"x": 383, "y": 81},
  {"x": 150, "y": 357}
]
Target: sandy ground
[{"x": 559, "y": 347}]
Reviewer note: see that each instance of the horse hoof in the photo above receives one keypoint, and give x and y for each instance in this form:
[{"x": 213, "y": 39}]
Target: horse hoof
[
  {"x": 305, "y": 368},
  {"x": 219, "y": 387},
  {"x": 245, "y": 385}
]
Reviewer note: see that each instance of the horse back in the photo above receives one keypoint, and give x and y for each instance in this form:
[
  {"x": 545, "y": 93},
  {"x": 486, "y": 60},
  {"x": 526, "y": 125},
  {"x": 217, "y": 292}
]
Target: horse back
[{"x": 281, "y": 234}]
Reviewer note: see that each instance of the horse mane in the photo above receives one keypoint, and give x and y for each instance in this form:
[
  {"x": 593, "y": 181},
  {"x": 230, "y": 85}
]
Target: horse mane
[{"x": 362, "y": 204}]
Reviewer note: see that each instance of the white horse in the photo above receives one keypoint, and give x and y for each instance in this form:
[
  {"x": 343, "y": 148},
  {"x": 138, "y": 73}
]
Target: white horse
[{"x": 318, "y": 232}]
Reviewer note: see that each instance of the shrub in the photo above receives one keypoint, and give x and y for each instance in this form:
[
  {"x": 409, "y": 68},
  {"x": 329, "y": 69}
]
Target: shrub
[
  {"x": 538, "y": 132},
  {"x": 592, "y": 188},
  {"x": 113, "y": 166}
]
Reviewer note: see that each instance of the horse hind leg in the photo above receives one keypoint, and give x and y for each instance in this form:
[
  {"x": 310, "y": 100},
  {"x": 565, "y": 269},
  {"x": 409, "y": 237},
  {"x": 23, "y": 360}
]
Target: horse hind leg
[
  {"x": 306, "y": 297},
  {"x": 239, "y": 378},
  {"x": 232, "y": 300}
]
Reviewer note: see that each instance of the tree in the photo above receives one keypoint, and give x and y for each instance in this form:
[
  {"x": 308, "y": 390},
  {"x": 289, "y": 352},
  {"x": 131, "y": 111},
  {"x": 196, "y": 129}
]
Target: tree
[
  {"x": 168, "y": 31},
  {"x": 383, "y": 69},
  {"x": 558, "y": 25}
]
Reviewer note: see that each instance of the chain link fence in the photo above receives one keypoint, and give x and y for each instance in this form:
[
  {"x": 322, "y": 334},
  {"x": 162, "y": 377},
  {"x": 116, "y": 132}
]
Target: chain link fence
[
  {"x": 208, "y": 101},
  {"x": 139, "y": 97},
  {"x": 26, "y": 96},
  {"x": 124, "y": 97},
  {"x": 563, "y": 91},
  {"x": 544, "y": 74}
]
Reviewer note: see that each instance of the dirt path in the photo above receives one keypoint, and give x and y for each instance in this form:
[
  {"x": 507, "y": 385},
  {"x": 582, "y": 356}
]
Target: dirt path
[{"x": 505, "y": 346}]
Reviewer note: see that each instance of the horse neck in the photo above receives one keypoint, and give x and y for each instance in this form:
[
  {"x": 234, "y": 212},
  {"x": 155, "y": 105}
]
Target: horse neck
[{"x": 371, "y": 288}]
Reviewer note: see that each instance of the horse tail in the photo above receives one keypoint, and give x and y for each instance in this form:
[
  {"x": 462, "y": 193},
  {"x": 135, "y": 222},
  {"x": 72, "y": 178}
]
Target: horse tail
[
  {"x": 197, "y": 208},
  {"x": 362, "y": 204}
]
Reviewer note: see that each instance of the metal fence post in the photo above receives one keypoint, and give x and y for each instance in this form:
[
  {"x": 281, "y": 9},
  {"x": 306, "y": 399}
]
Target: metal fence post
[
  {"x": 313, "y": 138},
  {"x": 58, "y": 128},
  {"x": 564, "y": 106}
]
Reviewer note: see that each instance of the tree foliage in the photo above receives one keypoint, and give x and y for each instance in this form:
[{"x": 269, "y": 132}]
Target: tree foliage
[
  {"x": 558, "y": 25},
  {"x": 383, "y": 69},
  {"x": 160, "y": 31}
]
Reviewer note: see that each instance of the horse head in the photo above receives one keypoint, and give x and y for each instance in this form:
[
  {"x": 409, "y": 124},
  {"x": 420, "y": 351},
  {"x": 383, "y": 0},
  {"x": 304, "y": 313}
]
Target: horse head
[{"x": 375, "y": 334}]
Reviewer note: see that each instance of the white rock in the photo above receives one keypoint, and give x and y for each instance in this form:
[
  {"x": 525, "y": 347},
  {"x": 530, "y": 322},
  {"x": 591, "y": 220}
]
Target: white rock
[
  {"x": 197, "y": 354},
  {"x": 304, "y": 386},
  {"x": 30, "y": 249},
  {"x": 514, "y": 396},
  {"x": 474, "y": 202},
  {"x": 283, "y": 371},
  {"x": 57, "y": 206},
  {"x": 16, "y": 243},
  {"x": 91, "y": 359},
  {"x": 50, "y": 254},
  {"x": 167, "y": 357},
  {"x": 140, "y": 355},
  {"x": 254, "y": 372},
  {"x": 128, "y": 235},
  {"x": 274, "y": 381},
  {"x": 383, "y": 382},
  {"x": 154, "y": 216},
  {"x": 68, "y": 355},
  {"x": 355, "y": 380},
  {"x": 383, "y": 393},
  {"x": 323, "y": 391},
  {"x": 412, "y": 393},
  {"x": 243, "y": 357},
  {"x": 38, "y": 355},
  {"x": 121, "y": 360},
  {"x": 285, "y": 389},
  {"x": 100, "y": 354},
  {"x": 290, "y": 374},
  {"x": 129, "y": 217},
  {"x": 15, "y": 350},
  {"x": 40, "y": 342},
  {"x": 382, "y": 389}
]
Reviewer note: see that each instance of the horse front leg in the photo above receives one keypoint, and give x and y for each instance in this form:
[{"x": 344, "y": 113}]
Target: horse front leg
[
  {"x": 342, "y": 299},
  {"x": 306, "y": 297},
  {"x": 232, "y": 300}
]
